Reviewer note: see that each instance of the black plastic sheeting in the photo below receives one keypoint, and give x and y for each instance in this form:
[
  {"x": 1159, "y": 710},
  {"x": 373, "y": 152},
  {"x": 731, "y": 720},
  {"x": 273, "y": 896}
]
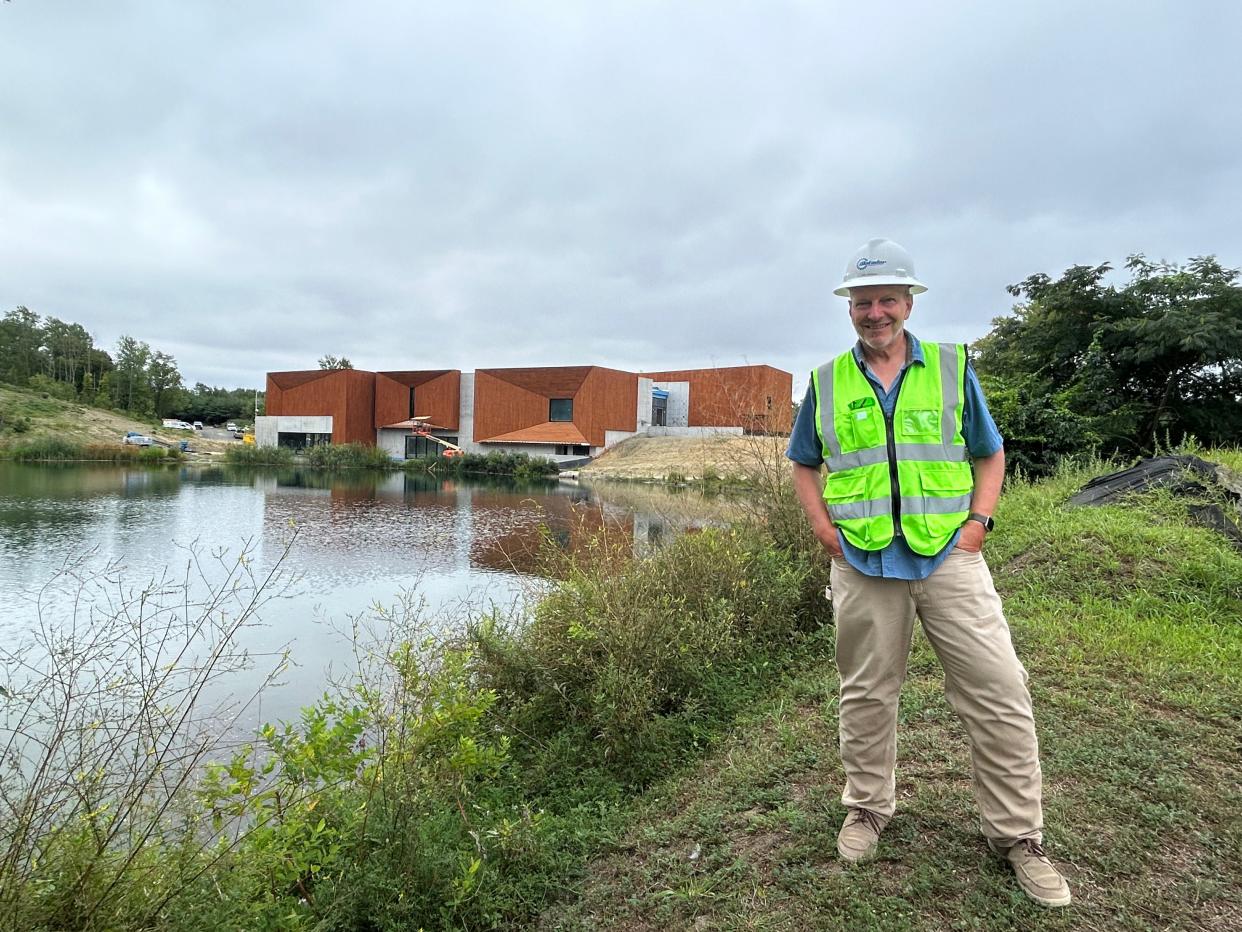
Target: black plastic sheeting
[{"x": 1182, "y": 475}]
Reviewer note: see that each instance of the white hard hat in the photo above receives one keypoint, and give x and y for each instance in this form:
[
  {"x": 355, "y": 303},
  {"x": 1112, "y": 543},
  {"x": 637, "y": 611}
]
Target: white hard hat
[{"x": 879, "y": 262}]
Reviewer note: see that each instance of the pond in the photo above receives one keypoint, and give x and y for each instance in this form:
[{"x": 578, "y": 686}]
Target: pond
[{"x": 82, "y": 539}]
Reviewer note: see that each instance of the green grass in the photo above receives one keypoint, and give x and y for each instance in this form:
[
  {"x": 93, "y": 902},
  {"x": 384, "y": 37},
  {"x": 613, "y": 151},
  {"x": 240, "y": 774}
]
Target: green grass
[
  {"x": 51, "y": 449},
  {"x": 249, "y": 454}
]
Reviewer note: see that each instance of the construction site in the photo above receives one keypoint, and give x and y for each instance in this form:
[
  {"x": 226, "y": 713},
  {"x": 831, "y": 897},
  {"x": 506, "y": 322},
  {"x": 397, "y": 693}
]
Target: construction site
[{"x": 565, "y": 413}]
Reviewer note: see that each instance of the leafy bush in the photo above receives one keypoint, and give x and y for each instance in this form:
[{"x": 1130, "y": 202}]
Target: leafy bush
[
  {"x": 55, "y": 449},
  {"x": 631, "y": 650},
  {"x": 497, "y": 463},
  {"x": 249, "y": 454},
  {"x": 349, "y": 456}
]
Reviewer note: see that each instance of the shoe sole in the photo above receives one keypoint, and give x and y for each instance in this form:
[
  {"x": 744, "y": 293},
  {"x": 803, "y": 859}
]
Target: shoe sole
[
  {"x": 865, "y": 856},
  {"x": 1034, "y": 897}
]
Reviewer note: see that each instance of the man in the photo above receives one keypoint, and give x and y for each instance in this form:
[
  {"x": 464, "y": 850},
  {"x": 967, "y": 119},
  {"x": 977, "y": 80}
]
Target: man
[{"x": 914, "y": 471}]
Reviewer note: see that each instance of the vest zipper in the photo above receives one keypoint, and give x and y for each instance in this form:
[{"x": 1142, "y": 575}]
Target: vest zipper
[{"x": 890, "y": 440}]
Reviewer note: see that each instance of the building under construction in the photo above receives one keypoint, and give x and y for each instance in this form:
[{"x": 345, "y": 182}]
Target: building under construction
[{"x": 561, "y": 412}]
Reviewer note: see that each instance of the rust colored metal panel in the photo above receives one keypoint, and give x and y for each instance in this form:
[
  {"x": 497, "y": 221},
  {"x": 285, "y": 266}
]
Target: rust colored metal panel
[
  {"x": 608, "y": 400},
  {"x": 347, "y": 395},
  {"x": 755, "y": 398},
  {"x": 548, "y": 432},
  {"x": 437, "y": 396},
  {"x": 358, "y": 424},
  {"x": 549, "y": 381},
  {"x": 501, "y": 407},
  {"x": 511, "y": 400}
]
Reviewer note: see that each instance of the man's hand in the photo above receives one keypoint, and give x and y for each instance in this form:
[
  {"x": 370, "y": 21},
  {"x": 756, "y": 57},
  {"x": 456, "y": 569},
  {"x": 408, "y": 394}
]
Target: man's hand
[
  {"x": 809, "y": 485},
  {"x": 971, "y": 538},
  {"x": 830, "y": 538}
]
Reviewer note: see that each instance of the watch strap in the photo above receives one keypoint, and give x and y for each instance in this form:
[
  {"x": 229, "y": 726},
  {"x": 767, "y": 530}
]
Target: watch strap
[{"x": 985, "y": 520}]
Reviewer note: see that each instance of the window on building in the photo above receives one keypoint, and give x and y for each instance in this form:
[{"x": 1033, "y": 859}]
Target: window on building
[
  {"x": 581, "y": 450},
  {"x": 301, "y": 441},
  {"x": 420, "y": 448},
  {"x": 411, "y": 414},
  {"x": 560, "y": 409}
]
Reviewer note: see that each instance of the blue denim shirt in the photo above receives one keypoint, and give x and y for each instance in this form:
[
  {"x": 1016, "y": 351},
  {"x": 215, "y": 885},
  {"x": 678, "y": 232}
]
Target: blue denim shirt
[{"x": 897, "y": 560}]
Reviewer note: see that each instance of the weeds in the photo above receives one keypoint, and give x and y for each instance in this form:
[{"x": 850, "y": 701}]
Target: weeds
[
  {"x": 249, "y": 454},
  {"x": 516, "y": 465},
  {"x": 103, "y": 732},
  {"x": 332, "y": 456},
  {"x": 52, "y": 449}
]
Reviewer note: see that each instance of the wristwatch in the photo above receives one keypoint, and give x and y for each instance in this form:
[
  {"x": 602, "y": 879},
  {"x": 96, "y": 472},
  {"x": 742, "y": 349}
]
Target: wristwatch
[{"x": 985, "y": 520}]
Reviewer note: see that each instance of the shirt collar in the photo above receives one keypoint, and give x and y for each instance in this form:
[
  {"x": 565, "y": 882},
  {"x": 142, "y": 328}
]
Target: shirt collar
[{"x": 914, "y": 350}]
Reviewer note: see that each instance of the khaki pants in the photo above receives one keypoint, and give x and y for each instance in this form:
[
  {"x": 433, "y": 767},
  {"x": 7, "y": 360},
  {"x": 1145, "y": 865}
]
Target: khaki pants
[{"x": 985, "y": 685}]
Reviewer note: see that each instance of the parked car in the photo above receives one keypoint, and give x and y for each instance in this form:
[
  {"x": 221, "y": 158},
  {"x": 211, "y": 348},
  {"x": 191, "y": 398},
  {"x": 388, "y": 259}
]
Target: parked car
[
  {"x": 198, "y": 425},
  {"x": 136, "y": 439},
  {"x": 239, "y": 434},
  {"x": 173, "y": 423},
  {"x": 231, "y": 427}
]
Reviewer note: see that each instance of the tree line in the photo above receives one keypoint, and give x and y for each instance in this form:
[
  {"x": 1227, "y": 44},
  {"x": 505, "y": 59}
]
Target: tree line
[
  {"x": 1084, "y": 366},
  {"x": 60, "y": 359}
]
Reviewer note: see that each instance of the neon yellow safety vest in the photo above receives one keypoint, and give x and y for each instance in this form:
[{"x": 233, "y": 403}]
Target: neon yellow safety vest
[{"x": 913, "y": 466}]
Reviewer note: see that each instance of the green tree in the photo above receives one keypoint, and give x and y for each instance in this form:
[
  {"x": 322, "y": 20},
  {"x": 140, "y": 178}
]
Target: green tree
[
  {"x": 1081, "y": 364},
  {"x": 21, "y": 345},
  {"x": 129, "y": 383},
  {"x": 68, "y": 351},
  {"x": 329, "y": 361},
  {"x": 164, "y": 381}
]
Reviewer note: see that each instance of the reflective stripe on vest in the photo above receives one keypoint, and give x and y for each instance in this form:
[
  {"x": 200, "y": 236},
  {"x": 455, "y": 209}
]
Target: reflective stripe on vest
[{"x": 929, "y": 478}]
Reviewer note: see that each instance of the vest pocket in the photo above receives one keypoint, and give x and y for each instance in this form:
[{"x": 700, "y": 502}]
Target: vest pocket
[
  {"x": 842, "y": 487},
  {"x": 864, "y": 425},
  {"x": 939, "y": 482},
  {"x": 918, "y": 424}
]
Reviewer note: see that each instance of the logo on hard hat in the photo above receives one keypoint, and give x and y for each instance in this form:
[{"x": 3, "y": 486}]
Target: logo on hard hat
[{"x": 864, "y": 264}]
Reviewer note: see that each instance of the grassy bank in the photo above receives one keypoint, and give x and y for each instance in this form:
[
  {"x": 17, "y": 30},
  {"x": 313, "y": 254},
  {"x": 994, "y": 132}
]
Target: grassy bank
[
  {"x": 31, "y": 416},
  {"x": 52, "y": 450},
  {"x": 654, "y": 746},
  {"x": 1129, "y": 620}
]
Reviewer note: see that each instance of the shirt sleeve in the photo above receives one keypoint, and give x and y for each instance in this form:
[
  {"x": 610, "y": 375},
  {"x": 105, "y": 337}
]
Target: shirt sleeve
[
  {"x": 804, "y": 446},
  {"x": 978, "y": 429}
]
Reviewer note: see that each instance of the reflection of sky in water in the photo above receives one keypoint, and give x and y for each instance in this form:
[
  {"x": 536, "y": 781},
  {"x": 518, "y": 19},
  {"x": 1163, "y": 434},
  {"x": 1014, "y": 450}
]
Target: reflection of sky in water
[{"x": 359, "y": 541}]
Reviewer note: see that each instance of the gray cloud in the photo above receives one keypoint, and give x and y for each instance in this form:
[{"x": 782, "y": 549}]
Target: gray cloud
[{"x": 249, "y": 186}]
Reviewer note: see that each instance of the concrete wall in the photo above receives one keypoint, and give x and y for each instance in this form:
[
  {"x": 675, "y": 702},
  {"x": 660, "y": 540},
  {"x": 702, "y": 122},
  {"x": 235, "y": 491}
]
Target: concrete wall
[
  {"x": 393, "y": 441},
  {"x": 694, "y": 432},
  {"x": 613, "y": 437},
  {"x": 644, "y": 405},
  {"x": 266, "y": 429},
  {"x": 466, "y": 422},
  {"x": 678, "y": 402}
]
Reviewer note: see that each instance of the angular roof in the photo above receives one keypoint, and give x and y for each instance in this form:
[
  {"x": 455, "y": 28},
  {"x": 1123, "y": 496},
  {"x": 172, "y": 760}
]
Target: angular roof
[
  {"x": 548, "y": 381},
  {"x": 547, "y": 432}
]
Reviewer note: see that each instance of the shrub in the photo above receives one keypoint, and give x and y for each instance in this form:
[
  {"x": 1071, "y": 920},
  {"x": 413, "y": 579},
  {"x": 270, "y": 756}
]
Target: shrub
[
  {"x": 249, "y": 454},
  {"x": 349, "y": 456},
  {"x": 495, "y": 463},
  {"x": 629, "y": 648}
]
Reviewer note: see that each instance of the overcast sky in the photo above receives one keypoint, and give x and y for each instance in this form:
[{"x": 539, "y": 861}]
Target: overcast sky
[{"x": 250, "y": 185}]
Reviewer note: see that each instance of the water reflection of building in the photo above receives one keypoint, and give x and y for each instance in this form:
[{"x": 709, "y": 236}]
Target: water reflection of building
[{"x": 401, "y": 524}]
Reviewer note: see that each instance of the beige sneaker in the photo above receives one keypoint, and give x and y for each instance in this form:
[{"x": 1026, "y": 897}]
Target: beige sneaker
[
  {"x": 1036, "y": 876},
  {"x": 859, "y": 835}
]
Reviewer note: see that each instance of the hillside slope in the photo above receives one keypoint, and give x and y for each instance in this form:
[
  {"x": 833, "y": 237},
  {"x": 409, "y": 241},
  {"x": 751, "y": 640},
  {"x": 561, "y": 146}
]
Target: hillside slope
[
  {"x": 657, "y": 458},
  {"x": 51, "y": 417}
]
